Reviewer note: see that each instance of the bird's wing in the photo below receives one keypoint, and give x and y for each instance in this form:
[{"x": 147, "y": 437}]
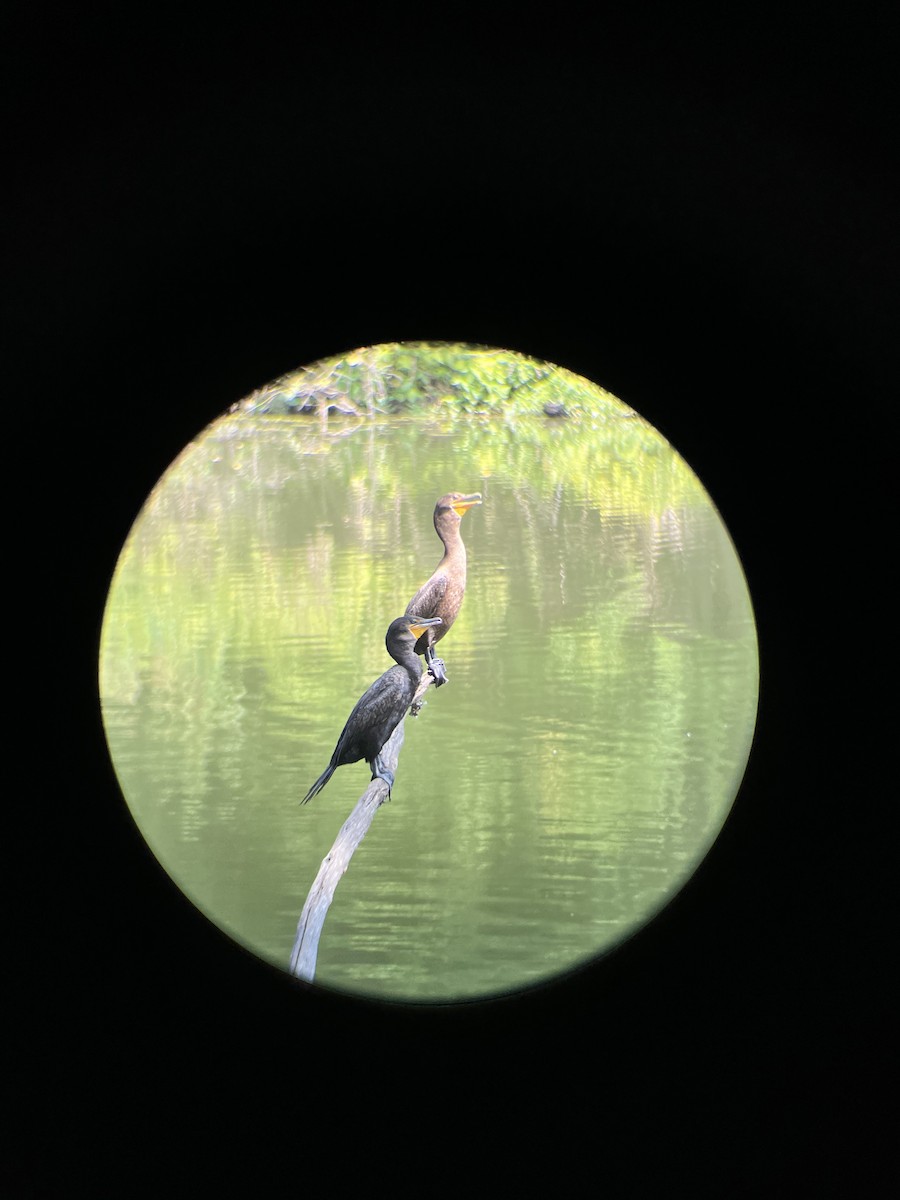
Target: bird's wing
[
  {"x": 426, "y": 600},
  {"x": 370, "y": 712}
]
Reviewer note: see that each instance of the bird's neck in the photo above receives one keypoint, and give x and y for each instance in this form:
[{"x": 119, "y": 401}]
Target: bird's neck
[
  {"x": 409, "y": 661},
  {"x": 454, "y": 549}
]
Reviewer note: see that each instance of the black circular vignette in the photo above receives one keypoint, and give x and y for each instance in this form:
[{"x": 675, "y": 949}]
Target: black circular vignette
[{"x": 699, "y": 224}]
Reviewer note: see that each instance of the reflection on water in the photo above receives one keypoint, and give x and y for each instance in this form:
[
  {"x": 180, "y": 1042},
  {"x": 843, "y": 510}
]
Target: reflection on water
[{"x": 597, "y": 722}]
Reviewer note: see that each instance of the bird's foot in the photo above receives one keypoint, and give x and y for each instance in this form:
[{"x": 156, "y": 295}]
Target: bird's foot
[
  {"x": 437, "y": 671},
  {"x": 380, "y": 771}
]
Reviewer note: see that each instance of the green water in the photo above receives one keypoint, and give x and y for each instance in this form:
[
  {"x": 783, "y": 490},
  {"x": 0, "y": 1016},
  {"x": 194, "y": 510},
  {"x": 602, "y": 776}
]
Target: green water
[{"x": 549, "y": 800}]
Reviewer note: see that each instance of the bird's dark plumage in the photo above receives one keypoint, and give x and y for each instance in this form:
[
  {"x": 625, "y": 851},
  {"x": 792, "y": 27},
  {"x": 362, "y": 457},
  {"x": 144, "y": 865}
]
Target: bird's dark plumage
[
  {"x": 442, "y": 595},
  {"x": 380, "y": 710}
]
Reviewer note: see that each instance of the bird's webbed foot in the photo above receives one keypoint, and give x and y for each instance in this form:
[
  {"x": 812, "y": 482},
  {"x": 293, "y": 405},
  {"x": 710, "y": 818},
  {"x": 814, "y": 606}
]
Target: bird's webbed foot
[
  {"x": 437, "y": 670},
  {"x": 380, "y": 771}
]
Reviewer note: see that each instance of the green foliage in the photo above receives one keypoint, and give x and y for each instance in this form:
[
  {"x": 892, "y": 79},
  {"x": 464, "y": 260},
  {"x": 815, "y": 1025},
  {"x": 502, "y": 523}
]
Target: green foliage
[
  {"x": 416, "y": 376},
  {"x": 492, "y": 404}
]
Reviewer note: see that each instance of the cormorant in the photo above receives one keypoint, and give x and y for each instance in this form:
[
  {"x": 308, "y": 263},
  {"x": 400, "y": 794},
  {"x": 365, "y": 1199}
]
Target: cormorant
[
  {"x": 380, "y": 710},
  {"x": 442, "y": 595}
]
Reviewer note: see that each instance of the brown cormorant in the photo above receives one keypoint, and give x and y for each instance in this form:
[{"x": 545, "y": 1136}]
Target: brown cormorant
[
  {"x": 442, "y": 595},
  {"x": 380, "y": 710}
]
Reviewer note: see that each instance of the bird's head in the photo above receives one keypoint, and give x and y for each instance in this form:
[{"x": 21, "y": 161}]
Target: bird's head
[
  {"x": 408, "y": 630},
  {"x": 453, "y": 507}
]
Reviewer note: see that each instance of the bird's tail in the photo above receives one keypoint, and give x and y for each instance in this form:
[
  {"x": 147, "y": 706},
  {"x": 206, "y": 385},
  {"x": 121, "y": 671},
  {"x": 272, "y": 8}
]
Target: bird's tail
[{"x": 320, "y": 783}]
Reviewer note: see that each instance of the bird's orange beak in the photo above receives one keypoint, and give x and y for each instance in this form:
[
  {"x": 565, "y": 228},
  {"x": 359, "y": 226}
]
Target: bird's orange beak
[
  {"x": 462, "y": 506},
  {"x": 418, "y": 625}
]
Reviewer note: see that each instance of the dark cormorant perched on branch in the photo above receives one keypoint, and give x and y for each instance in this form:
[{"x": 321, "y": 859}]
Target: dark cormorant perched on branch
[
  {"x": 377, "y": 714},
  {"x": 442, "y": 595}
]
